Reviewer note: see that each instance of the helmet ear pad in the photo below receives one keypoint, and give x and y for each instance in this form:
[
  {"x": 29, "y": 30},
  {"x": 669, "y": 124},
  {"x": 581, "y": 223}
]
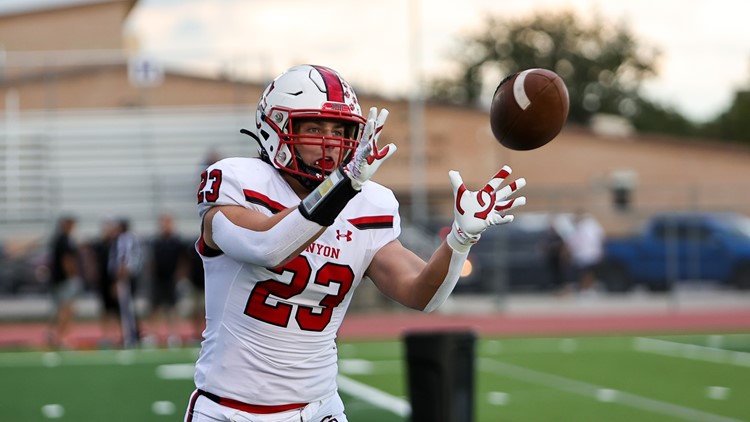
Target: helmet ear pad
[{"x": 271, "y": 135}]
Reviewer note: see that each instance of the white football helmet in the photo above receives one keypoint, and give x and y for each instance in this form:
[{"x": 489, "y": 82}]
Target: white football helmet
[{"x": 304, "y": 92}]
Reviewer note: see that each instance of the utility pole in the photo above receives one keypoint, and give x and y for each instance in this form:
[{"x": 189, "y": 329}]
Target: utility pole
[{"x": 419, "y": 209}]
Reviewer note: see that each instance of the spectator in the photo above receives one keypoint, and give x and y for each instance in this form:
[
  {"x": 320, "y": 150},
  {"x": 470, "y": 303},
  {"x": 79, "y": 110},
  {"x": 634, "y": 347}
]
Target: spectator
[
  {"x": 556, "y": 258},
  {"x": 196, "y": 277},
  {"x": 586, "y": 245},
  {"x": 66, "y": 281},
  {"x": 109, "y": 312},
  {"x": 167, "y": 253},
  {"x": 125, "y": 264}
]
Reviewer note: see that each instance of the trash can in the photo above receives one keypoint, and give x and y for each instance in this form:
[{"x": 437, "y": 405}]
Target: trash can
[{"x": 441, "y": 375}]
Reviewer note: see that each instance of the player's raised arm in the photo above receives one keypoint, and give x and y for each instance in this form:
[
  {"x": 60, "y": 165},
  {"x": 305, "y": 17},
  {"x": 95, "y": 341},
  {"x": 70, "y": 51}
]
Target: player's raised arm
[{"x": 407, "y": 279}]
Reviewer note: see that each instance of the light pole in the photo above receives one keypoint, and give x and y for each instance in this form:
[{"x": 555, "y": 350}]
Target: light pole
[{"x": 419, "y": 209}]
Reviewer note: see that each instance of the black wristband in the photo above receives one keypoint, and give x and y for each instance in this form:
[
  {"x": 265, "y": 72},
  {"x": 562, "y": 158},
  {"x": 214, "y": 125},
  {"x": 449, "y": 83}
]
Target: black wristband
[{"x": 324, "y": 204}]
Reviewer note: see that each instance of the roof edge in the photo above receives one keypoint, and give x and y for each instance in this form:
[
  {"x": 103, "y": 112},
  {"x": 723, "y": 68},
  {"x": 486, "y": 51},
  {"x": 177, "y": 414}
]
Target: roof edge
[{"x": 29, "y": 7}]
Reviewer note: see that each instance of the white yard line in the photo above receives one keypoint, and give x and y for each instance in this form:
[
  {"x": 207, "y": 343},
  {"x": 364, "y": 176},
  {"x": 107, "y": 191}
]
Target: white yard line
[
  {"x": 91, "y": 358},
  {"x": 374, "y": 396},
  {"x": 362, "y": 391},
  {"x": 176, "y": 371},
  {"x": 691, "y": 351},
  {"x": 599, "y": 392}
]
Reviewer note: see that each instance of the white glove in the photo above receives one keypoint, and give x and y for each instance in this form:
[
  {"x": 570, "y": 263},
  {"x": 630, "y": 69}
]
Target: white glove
[
  {"x": 368, "y": 157},
  {"x": 475, "y": 211}
]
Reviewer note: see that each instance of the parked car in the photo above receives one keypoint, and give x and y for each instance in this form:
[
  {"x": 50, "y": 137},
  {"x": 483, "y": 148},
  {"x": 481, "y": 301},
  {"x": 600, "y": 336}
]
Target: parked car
[
  {"x": 511, "y": 257},
  {"x": 673, "y": 247},
  {"x": 23, "y": 270}
]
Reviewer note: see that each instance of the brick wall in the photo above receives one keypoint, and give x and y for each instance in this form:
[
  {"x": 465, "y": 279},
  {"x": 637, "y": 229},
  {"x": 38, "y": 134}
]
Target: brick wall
[{"x": 574, "y": 171}]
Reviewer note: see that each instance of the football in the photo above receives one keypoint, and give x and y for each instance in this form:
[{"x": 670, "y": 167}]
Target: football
[{"x": 529, "y": 109}]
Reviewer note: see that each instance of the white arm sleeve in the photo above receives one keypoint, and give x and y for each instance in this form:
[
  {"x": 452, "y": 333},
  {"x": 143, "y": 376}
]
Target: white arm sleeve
[
  {"x": 268, "y": 248},
  {"x": 445, "y": 289}
]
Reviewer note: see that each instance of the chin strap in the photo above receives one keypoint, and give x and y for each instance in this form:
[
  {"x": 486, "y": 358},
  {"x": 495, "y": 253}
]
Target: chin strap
[{"x": 307, "y": 182}]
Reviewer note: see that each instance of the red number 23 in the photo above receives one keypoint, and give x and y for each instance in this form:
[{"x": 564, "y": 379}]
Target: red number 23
[
  {"x": 212, "y": 193},
  {"x": 280, "y": 313}
]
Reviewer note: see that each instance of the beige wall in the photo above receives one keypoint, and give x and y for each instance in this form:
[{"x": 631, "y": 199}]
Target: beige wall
[
  {"x": 93, "y": 26},
  {"x": 105, "y": 87},
  {"x": 573, "y": 171}
]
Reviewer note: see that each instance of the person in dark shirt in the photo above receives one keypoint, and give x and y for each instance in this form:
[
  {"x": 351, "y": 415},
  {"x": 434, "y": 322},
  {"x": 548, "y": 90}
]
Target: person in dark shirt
[
  {"x": 556, "y": 256},
  {"x": 125, "y": 266},
  {"x": 66, "y": 282},
  {"x": 198, "y": 287},
  {"x": 167, "y": 255},
  {"x": 109, "y": 313}
]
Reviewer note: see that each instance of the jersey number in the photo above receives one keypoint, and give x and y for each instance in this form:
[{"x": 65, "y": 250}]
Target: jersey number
[
  {"x": 306, "y": 316},
  {"x": 212, "y": 194}
]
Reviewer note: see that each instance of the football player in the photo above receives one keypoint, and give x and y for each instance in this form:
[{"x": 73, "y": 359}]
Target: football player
[{"x": 287, "y": 238}]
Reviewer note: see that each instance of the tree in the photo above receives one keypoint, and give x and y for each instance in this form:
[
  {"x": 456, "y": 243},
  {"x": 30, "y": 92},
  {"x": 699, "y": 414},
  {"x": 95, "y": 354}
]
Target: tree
[
  {"x": 602, "y": 63},
  {"x": 732, "y": 124},
  {"x": 653, "y": 117}
]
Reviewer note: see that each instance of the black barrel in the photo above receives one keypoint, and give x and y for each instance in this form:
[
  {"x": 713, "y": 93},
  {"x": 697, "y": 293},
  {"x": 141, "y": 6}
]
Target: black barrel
[{"x": 441, "y": 375}]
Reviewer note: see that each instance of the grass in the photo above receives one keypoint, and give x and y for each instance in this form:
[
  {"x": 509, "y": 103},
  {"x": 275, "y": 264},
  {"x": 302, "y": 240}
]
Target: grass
[{"x": 618, "y": 378}]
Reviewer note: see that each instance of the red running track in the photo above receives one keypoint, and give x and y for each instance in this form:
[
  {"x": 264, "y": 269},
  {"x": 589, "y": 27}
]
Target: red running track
[{"x": 87, "y": 334}]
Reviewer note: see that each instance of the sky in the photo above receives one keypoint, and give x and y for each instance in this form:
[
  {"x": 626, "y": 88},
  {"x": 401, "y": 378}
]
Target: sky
[{"x": 705, "y": 44}]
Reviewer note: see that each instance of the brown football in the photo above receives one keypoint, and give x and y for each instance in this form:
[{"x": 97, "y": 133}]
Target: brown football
[{"x": 529, "y": 109}]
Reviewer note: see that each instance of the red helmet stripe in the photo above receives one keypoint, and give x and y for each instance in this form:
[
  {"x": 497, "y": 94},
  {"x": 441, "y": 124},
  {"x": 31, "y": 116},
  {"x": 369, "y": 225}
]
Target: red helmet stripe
[{"x": 333, "y": 84}]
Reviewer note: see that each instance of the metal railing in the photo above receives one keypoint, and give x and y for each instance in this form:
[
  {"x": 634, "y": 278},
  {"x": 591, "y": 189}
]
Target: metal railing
[{"x": 134, "y": 163}]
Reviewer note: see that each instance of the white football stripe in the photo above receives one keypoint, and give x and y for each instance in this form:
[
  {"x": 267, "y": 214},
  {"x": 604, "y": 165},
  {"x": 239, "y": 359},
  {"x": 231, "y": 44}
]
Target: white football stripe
[
  {"x": 600, "y": 393},
  {"x": 691, "y": 351},
  {"x": 375, "y": 397},
  {"x": 176, "y": 371},
  {"x": 519, "y": 90}
]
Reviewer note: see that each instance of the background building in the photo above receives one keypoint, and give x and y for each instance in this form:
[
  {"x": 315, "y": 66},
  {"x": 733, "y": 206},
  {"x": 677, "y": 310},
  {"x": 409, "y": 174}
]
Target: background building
[{"x": 89, "y": 126}]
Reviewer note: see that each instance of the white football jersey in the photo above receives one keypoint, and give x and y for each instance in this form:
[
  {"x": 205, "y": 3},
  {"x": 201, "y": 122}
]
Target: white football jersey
[{"x": 270, "y": 332}]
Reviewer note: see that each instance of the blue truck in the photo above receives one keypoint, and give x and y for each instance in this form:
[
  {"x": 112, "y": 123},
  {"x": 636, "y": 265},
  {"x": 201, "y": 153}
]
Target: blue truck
[{"x": 680, "y": 246}]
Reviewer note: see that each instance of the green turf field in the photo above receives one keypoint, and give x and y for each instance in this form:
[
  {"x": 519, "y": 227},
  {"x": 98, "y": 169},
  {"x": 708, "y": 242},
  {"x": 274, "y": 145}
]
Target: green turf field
[{"x": 655, "y": 378}]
